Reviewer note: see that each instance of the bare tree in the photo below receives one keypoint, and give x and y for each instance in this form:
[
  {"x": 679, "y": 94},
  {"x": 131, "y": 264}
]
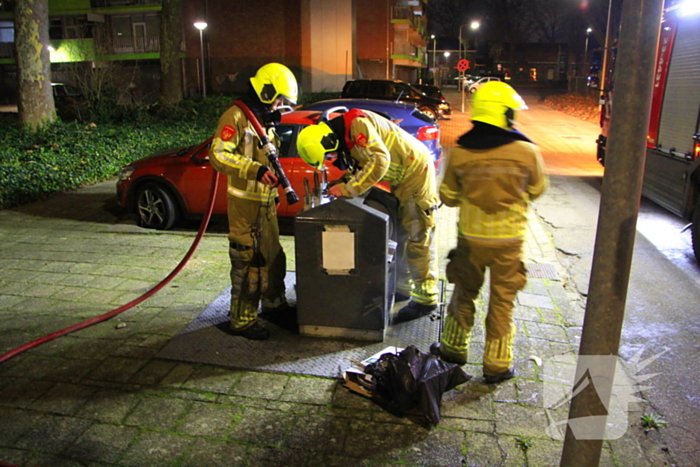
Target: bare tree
[
  {"x": 446, "y": 16},
  {"x": 552, "y": 20},
  {"x": 36, "y": 105},
  {"x": 170, "y": 42}
]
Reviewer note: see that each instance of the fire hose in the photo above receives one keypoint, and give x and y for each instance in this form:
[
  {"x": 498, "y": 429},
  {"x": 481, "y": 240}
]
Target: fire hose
[
  {"x": 270, "y": 152},
  {"x": 133, "y": 303}
]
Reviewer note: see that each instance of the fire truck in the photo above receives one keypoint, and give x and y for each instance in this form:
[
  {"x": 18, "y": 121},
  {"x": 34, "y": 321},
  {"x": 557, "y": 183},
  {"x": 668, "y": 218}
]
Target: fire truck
[{"x": 672, "y": 168}]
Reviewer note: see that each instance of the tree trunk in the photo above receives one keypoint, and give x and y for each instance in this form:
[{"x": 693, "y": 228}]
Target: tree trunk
[
  {"x": 170, "y": 41},
  {"x": 36, "y": 105}
]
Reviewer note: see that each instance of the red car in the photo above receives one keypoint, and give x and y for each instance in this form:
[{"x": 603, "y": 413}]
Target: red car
[{"x": 164, "y": 188}]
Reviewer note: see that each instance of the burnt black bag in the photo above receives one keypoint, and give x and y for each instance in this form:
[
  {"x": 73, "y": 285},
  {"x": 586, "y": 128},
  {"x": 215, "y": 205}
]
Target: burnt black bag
[{"x": 411, "y": 384}]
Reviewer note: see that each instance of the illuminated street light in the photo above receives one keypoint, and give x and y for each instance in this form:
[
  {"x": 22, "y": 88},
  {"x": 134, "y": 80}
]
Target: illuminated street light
[
  {"x": 201, "y": 25},
  {"x": 585, "y": 53},
  {"x": 585, "y": 50},
  {"x": 474, "y": 25},
  {"x": 434, "y": 41}
]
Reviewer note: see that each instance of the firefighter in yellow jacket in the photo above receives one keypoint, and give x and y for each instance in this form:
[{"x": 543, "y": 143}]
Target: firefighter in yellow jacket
[
  {"x": 492, "y": 175},
  {"x": 252, "y": 217},
  {"x": 373, "y": 149}
]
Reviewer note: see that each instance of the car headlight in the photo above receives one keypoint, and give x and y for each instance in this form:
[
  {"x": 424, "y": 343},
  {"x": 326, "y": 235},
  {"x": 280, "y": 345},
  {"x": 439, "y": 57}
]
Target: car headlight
[
  {"x": 126, "y": 172},
  {"x": 444, "y": 106}
]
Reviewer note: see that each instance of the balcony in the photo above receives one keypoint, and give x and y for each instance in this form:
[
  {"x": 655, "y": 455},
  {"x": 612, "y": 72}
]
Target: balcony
[
  {"x": 404, "y": 19},
  {"x": 132, "y": 45},
  {"x": 79, "y": 50},
  {"x": 407, "y": 54}
]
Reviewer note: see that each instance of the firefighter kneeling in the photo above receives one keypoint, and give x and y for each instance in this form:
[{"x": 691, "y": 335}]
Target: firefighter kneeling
[{"x": 373, "y": 149}]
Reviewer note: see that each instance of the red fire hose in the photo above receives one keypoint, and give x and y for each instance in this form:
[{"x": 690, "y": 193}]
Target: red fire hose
[{"x": 131, "y": 304}]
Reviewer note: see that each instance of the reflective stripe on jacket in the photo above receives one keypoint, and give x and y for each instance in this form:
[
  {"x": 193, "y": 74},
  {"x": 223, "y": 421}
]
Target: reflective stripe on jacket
[
  {"x": 235, "y": 151},
  {"x": 493, "y": 188},
  {"x": 387, "y": 153}
]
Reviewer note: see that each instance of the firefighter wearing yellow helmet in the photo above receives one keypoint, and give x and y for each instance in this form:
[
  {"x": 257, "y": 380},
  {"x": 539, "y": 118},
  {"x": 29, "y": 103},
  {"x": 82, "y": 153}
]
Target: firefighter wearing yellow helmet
[
  {"x": 254, "y": 244},
  {"x": 492, "y": 175},
  {"x": 373, "y": 149}
]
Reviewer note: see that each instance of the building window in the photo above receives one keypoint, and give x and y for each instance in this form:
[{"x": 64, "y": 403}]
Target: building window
[
  {"x": 69, "y": 27},
  {"x": 533, "y": 74},
  {"x": 136, "y": 33},
  {"x": 7, "y": 31}
]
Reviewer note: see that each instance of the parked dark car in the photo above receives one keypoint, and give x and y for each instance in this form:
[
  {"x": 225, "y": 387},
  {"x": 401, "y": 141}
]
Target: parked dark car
[
  {"x": 431, "y": 90},
  {"x": 397, "y": 91},
  {"x": 407, "y": 116}
]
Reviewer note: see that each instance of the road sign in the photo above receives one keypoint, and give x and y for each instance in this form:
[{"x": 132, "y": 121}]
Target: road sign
[{"x": 463, "y": 64}]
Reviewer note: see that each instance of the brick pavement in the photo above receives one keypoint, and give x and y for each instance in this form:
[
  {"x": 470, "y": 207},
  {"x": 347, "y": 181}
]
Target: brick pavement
[{"x": 98, "y": 397}]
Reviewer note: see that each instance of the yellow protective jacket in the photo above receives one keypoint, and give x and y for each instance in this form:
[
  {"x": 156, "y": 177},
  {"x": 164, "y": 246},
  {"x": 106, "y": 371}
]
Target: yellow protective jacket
[
  {"x": 235, "y": 151},
  {"x": 387, "y": 153},
  {"x": 493, "y": 187}
]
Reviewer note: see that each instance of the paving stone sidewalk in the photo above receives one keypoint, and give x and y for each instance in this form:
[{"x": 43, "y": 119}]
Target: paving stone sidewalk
[{"x": 98, "y": 397}]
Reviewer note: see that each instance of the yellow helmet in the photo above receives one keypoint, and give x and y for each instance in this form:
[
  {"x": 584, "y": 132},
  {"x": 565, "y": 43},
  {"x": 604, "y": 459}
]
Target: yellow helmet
[
  {"x": 495, "y": 103},
  {"x": 314, "y": 142},
  {"x": 274, "y": 80}
]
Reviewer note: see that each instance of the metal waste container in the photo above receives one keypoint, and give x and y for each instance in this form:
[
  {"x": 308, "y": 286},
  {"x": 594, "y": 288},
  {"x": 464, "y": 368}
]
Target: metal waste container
[{"x": 345, "y": 261}]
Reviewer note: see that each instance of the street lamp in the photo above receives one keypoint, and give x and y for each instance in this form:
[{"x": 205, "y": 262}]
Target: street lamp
[
  {"x": 585, "y": 49},
  {"x": 447, "y": 56},
  {"x": 434, "y": 41},
  {"x": 585, "y": 55},
  {"x": 201, "y": 25},
  {"x": 474, "y": 25}
]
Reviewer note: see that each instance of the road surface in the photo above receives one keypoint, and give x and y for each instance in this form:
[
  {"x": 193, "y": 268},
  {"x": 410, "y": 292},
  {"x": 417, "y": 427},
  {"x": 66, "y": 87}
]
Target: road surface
[{"x": 663, "y": 300}]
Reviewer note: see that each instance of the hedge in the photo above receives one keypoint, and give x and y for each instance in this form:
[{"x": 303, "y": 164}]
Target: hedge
[{"x": 68, "y": 155}]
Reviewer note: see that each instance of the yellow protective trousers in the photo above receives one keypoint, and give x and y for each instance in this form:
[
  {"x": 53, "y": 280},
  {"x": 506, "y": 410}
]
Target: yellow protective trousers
[
  {"x": 417, "y": 238},
  {"x": 466, "y": 269},
  {"x": 244, "y": 217}
]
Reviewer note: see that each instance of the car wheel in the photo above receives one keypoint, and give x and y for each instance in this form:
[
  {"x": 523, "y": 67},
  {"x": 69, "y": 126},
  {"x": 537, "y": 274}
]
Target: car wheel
[
  {"x": 155, "y": 207},
  {"x": 430, "y": 112},
  {"x": 696, "y": 230}
]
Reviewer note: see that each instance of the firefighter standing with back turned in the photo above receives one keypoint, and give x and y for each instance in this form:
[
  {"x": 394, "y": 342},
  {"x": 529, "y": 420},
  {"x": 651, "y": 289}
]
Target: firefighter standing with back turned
[
  {"x": 254, "y": 245},
  {"x": 374, "y": 149},
  {"x": 492, "y": 175}
]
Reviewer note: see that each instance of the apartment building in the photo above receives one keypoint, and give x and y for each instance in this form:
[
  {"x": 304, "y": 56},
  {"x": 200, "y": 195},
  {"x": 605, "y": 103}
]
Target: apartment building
[{"x": 325, "y": 42}]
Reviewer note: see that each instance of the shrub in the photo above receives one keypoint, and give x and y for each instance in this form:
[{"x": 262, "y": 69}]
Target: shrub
[
  {"x": 71, "y": 154},
  {"x": 98, "y": 139}
]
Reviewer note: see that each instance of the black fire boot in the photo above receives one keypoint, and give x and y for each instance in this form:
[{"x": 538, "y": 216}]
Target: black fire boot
[
  {"x": 435, "y": 349},
  {"x": 255, "y": 332},
  {"x": 500, "y": 377},
  {"x": 413, "y": 311}
]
